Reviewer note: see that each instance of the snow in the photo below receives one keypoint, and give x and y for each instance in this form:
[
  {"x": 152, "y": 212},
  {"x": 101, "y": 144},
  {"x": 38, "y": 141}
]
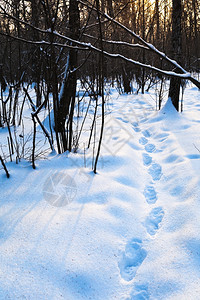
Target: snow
[{"x": 129, "y": 232}]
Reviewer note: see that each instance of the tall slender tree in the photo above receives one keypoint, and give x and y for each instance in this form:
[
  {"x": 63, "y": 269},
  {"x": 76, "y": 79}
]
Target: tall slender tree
[
  {"x": 175, "y": 83},
  {"x": 68, "y": 90}
]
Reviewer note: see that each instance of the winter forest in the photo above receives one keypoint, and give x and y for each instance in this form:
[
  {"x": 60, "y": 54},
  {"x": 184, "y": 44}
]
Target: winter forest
[{"x": 99, "y": 149}]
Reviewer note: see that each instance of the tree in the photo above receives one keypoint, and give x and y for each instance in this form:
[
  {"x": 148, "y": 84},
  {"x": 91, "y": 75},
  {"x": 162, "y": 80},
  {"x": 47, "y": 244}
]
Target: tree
[
  {"x": 175, "y": 83},
  {"x": 67, "y": 95}
]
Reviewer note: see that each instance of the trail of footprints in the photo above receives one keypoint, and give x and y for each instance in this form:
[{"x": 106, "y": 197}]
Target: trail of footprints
[
  {"x": 155, "y": 217},
  {"x": 134, "y": 253}
]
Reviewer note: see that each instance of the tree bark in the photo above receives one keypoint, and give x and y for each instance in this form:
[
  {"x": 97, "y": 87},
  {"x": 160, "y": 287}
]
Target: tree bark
[
  {"x": 68, "y": 89},
  {"x": 175, "y": 83}
]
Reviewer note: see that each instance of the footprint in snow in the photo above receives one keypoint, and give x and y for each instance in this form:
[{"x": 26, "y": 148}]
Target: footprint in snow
[
  {"x": 150, "y": 148},
  {"x": 140, "y": 292},
  {"x": 152, "y": 222},
  {"x": 132, "y": 258},
  {"x": 150, "y": 194},
  {"x": 155, "y": 171},
  {"x": 135, "y": 127},
  {"x": 135, "y": 124},
  {"x": 146, "y": 133},
  {"x": 143, "y": 141},
  {"x": 147, "y": 159}
]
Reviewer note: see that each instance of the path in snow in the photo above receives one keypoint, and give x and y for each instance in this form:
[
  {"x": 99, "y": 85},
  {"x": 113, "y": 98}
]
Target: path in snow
[
  {"x": 179, "y": 186},
  {"x": 134, "y": 253}
]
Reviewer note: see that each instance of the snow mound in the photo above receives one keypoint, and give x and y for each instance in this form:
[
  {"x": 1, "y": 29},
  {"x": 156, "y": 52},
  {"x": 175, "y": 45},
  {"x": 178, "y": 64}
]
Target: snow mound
[{"x": 169, "y": 109}]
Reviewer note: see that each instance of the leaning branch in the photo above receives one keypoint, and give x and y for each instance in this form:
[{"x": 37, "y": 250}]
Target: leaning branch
[
  {"x": 4, "y": 166},
  {"x": 146, "y": 44},
  {"x": 35, "y": 116},
  {"x": 41, "y": 43},
  {"x": 118, "y": 43}
]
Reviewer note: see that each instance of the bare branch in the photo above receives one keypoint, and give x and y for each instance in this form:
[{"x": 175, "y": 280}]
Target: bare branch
[
  {"x": 35, "y": 116},
  {"x": 119, "y": 43},
  {"x": 4, "y": 166}
]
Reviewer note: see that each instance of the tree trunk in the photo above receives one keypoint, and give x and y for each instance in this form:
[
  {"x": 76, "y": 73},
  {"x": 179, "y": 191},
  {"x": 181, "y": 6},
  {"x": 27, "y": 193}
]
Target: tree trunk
[
  {"x": 175, "y": 83},
  {"x": 36, "y": 61},
  {"x": 68, "y": 89}
]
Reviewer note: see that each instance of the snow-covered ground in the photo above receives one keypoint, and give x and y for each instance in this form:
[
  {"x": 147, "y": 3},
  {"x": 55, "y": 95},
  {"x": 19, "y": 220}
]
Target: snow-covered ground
[{"x": 130, "y": 232}]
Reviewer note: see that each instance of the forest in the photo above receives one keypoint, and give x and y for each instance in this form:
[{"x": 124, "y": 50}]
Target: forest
[
  {"x": 66, "y": 50},
  {"x": 99, "y": 149}
]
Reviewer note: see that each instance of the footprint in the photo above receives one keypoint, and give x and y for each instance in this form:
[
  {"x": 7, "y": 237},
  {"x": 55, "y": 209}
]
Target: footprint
[
  {"x": 140, "y": 292},
  {"x": 155, "y": 171},
  {"x": 146, "y": 133},
  {"x": 150, "y": 148},
  {"x": 143, "y": 141},
  {"x": 135, "y": 124},
  {"x": 150, "y": 194},
  {"x": 154, "y": 219},
  {"x": 147, "y": 159},
  {"x": 132, "y": 258},
  {"x": 136, "y": 129}
]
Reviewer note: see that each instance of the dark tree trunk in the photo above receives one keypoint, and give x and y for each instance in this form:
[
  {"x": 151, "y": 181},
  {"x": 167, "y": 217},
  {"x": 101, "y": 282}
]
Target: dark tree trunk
[
  {"x": 68, "y": 90},
  {"x": 36, "y": 62},
  {"x": 2, "y": 80},
  {"x": 175, "y": 83},
  {"x": 143, "y": 52},
  {"x": 157, "y": 21},
  {"x": 126, "y": 81},
  {"x": 110, "y": 8}
]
